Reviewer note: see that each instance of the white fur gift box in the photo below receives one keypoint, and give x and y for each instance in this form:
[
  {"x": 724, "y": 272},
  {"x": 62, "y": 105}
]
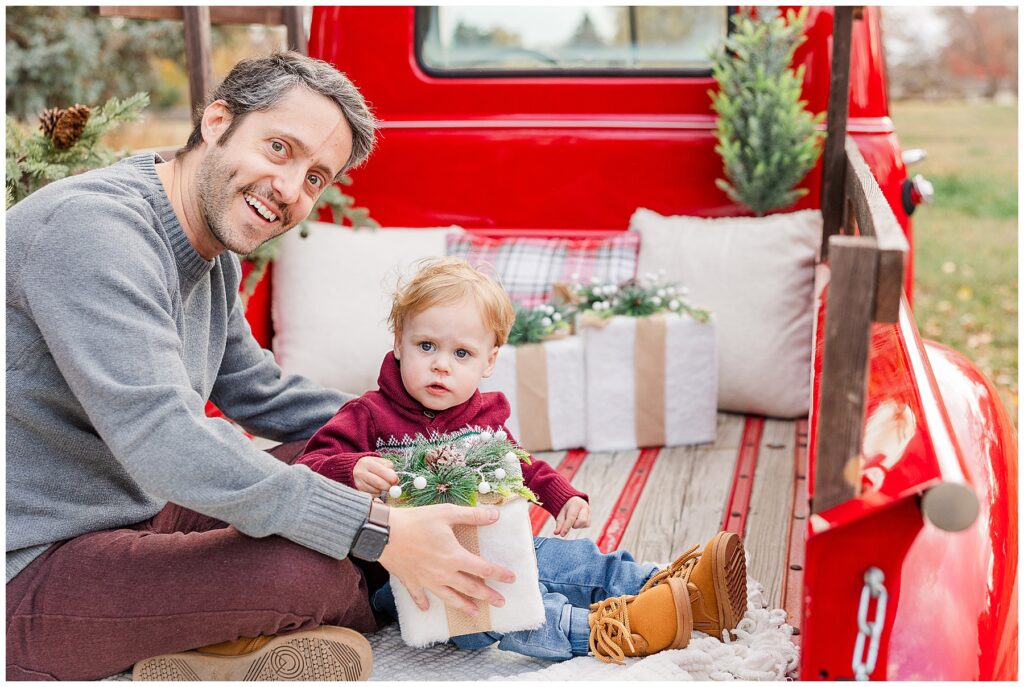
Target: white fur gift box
[
  {"x": 650, "y": 381},
  {"x": 507, "y": 542},
  {"x": 543, "y": 383}
]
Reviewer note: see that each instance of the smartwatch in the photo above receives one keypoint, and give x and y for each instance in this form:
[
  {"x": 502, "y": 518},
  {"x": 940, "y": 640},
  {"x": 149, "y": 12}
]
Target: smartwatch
[{"x": 372, "y": 537}]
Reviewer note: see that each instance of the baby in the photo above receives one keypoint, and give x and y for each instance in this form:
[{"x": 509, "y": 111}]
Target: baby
[{"x": 449, "y": 321}]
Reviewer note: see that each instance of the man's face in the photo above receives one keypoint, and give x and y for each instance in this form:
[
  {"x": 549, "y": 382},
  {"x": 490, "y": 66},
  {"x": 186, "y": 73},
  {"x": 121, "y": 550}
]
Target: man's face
[
  {"x": 266, "y": 177},
  {"x": 445, "y": 351}
]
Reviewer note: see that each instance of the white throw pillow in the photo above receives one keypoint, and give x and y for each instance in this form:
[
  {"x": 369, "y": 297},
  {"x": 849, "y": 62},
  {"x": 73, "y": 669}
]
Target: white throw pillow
[
  {"x": 757, "y": 275},
  {"x": 332, "y": 295}
]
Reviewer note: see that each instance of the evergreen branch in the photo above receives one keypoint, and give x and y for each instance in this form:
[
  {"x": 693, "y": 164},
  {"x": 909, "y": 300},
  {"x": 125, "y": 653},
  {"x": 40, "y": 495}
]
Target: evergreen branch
[{"x": 34, "y": 161}]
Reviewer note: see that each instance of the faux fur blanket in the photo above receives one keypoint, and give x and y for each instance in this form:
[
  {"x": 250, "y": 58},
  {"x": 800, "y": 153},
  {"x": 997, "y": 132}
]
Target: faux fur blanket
[{"x": 762, "y": 650}]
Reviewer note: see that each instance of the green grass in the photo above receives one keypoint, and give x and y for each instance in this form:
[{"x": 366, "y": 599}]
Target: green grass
[{"x": 965, "y": 263}]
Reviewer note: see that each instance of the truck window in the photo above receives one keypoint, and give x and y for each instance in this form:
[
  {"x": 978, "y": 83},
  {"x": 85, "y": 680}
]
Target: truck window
[{"x": 556, "y": 41}]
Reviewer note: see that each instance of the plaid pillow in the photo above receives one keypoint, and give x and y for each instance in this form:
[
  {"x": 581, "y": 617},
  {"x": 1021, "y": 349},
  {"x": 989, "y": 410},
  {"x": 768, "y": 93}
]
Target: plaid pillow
[{"x": 528, "y": 267}]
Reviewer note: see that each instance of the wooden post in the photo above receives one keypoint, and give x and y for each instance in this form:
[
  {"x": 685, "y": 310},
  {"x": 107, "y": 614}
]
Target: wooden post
[
  {"x": 834, "y": 164},
  {"x": 292, "y": 18},
  {"x": 875, "y": 218},
  {"x": 197, "y": 55},
  {"x": 851, "y": 302}
]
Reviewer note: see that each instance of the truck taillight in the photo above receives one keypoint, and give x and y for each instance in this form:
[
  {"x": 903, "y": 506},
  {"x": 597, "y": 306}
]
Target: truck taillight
[{"x": 917, "y": 191}]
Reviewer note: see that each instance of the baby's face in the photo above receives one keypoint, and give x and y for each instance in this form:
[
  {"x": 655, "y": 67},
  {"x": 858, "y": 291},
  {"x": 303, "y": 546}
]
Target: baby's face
[{"x": 445, "y": 351}]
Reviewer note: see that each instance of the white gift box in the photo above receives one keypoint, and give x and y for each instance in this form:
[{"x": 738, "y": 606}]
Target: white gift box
[
  {"x": 543, "y": 383},
  {"x": 650, "y": 381},
  {"x": 507, "y": 542}
]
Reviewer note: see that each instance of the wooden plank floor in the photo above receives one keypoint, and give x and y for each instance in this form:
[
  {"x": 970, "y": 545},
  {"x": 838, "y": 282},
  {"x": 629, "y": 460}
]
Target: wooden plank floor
[
  {"x": 767, "y": 534},
  {"x": 601, "y": 477},
  {"x": 682, "y": 503},
  {"x": 683, "y": 500}
]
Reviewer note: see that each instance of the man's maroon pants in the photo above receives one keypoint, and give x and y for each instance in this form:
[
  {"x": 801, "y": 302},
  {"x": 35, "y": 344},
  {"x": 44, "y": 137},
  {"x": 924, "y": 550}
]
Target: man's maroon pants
[{"x": 94, "y": 605}]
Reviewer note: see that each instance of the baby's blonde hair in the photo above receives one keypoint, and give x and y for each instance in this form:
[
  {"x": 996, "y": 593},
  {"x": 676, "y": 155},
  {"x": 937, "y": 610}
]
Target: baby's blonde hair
[{"x": 442, "y": 281}]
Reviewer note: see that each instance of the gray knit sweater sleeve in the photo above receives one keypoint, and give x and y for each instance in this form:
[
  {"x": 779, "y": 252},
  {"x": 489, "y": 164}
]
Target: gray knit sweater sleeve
[{"x": 108, "y": 307}]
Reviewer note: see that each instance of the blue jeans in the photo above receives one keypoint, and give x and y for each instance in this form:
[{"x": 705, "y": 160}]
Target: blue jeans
[{"x": 573, "y": 574}]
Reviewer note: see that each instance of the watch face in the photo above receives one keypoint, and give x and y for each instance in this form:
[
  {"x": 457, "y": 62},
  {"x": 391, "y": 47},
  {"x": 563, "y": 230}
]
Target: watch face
[{"x": 369, "y": 543}]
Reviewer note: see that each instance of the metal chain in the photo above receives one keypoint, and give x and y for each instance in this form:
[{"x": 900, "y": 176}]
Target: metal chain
[{"x": 874, "y": 588}]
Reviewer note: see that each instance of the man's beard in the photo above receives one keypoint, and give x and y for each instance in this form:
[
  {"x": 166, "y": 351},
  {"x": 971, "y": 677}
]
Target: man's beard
[{"x": 215, "y": 193}]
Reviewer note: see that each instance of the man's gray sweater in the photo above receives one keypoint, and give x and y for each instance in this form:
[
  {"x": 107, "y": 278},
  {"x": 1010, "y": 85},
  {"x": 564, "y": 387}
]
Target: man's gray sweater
[{"x": 118, "y": 332}]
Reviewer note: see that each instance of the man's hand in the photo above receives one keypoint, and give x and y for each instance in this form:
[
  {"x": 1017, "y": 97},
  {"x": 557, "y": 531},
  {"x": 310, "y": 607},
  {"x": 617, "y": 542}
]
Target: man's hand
[
  {"x": 373, "y": 474},
  {"x": 575, "y": 514},
  {"x": 425, "y": 555}
]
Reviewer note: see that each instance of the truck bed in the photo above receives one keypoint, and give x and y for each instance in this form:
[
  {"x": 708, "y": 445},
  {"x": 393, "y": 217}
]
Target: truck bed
[{"x": 657, "y": 503}]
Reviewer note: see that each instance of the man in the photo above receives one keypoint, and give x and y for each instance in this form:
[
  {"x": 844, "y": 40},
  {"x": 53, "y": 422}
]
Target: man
[{"x": 137, "y": 526}]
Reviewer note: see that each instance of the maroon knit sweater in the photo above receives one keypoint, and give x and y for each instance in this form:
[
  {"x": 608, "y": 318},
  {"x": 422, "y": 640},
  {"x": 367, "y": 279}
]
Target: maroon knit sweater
[{"x": 391, "y": 412}]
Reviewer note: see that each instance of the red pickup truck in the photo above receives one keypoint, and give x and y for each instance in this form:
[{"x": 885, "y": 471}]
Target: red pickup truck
[{"x": 914, "y": 578}]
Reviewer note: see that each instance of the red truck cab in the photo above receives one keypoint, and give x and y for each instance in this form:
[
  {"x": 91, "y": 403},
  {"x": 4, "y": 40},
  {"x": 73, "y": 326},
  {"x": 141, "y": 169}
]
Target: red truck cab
[{"x": 536, "y": 146}]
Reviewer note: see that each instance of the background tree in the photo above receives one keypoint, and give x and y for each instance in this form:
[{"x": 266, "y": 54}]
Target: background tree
[
  {"x": 982, "y": 46},
  {"x": 58, "y": 56},
  {"x": 658, "y": 25},
  {"x": 585, "y": 35},
  {"x": 470, "y": 35},
  {"x": 950, "y": 52},
  {"x": 914, "y": 37}
]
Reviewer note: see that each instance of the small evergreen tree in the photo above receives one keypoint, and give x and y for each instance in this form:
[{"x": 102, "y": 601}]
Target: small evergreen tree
[{"x": 768, "y": 141}]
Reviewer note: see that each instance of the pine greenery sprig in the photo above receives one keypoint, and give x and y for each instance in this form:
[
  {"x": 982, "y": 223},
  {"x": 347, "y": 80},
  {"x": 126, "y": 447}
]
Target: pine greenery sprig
[
  {"x": 342, "y": 208},
  {"x": 450, "y": 484},
  {"x": 459, "y": 467},
  {"x": 540, "y": 323},
  {"x": 647, "y": 295},
  {"x": 34, "y": 160},
  {"x": 767, "y": 140}
]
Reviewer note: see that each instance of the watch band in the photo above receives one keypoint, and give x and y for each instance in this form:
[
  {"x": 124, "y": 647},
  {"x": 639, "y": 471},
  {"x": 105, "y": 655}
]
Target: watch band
[{"x": 379, "y": 513}]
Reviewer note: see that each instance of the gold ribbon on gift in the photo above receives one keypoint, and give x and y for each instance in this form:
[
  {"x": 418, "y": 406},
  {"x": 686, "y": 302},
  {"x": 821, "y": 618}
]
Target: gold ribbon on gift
[
  {"x": 532, "y": 397},
  {"x": 459, "y": 622},
  {"x": 649, "y": 373}
]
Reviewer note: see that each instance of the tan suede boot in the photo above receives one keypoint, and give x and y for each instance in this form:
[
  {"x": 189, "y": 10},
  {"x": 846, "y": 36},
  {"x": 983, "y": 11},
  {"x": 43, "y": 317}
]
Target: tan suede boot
[
  {"x": 326, "y": 653},
  {"x": 717, "y": 581},
  {"x": 641, "y": 625}
]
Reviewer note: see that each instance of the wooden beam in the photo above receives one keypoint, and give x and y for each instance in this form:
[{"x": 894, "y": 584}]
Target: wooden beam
[
  {"x": 292, "y": 19},
  {"x": 834, "y": 164},
  {"x": 851, "y": 297},
  {"x": 875, "y": 218},
  {"x": 197, "y": 55},
  {"x": 270, "y": 15}
]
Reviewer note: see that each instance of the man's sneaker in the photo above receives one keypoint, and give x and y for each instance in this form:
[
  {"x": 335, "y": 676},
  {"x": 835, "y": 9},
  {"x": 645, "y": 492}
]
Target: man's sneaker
[
  {"x": 717, "y": 580},
  {"x": 641, "y": 625},
  {"x": 326, "y": 653}
]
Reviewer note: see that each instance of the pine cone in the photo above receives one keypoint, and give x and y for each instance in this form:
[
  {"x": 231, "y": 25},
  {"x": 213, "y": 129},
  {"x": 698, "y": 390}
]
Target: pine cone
[
  {"x": 48, "y": 120},
  {"x": 448, "y": 454},
  {"x": 68, "y": 127}
]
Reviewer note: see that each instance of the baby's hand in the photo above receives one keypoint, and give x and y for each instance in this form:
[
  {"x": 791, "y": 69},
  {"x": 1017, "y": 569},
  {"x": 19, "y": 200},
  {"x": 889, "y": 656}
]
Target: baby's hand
[
  {"x": 374, "y": 474},
  {"x": 575, "y": 514}
]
